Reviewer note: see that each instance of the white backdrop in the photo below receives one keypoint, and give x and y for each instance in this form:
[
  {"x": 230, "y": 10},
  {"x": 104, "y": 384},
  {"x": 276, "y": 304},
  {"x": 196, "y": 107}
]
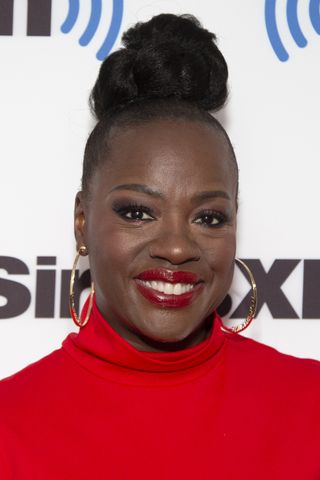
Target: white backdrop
[{"x": 272, "y": 119}]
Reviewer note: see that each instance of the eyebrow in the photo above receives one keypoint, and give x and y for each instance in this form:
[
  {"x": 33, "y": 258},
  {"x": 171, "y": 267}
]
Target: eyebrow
[
  {"x": 137, "y": 187},
  {"x": 211, "y": 194}
]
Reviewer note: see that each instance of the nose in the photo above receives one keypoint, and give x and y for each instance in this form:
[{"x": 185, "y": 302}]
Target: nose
[{"x": 174, "y": 245}]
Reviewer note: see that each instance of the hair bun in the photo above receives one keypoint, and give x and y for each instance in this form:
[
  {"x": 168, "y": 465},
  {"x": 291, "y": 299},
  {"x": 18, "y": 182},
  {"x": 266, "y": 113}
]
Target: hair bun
[{"x": 168, "y": 56}]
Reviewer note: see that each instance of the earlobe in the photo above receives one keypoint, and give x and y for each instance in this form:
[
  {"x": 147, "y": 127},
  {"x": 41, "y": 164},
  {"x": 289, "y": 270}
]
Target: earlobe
[{"x": 79, "y": 220}]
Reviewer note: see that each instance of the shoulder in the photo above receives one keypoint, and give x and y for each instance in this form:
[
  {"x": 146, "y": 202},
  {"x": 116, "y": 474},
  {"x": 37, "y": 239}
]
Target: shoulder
[
  {"x": 273, "y": 367},
  {"x": 264, "y": 355},
  {"x": 29, "y": 403},
  {"x": 36, "y": 380}
]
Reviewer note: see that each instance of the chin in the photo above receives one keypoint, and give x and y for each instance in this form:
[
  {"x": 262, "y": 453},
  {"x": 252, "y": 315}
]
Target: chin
[{"x": 166, "y": 332}]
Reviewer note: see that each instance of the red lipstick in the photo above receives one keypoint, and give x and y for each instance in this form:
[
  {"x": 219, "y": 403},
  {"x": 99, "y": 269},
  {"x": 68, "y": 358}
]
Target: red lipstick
[
  {"x": 168, "y": 300},
  {"x": 161, "y": 274}
]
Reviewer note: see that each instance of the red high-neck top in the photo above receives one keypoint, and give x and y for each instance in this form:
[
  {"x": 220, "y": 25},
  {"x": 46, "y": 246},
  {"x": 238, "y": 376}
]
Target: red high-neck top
[{"x": 228, "y": 408}]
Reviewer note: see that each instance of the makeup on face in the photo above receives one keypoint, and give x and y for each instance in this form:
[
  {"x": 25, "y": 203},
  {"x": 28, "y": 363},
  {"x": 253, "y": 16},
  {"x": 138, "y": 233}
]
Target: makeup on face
[
  {"x": 160, "y": 228},
  {"x": 168, "y": 288}
]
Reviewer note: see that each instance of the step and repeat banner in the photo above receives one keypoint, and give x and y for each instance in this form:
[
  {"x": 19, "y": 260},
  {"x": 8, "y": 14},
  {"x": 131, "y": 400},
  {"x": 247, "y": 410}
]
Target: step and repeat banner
[{"x": 50, "y": 54}]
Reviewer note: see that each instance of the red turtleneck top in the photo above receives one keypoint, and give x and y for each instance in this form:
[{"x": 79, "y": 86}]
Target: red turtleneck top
[{"x": 228, "y": 408}]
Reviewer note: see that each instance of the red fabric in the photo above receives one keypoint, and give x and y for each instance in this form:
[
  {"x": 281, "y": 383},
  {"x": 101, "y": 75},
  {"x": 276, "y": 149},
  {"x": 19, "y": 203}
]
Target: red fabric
[{"x": 228, "y": 408}]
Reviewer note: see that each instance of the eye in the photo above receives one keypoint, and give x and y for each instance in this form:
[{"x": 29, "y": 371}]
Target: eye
[
  {"x": 133, "y": 212},
  {"x": 137, "y": 214},
  {"x": 210, "y": 218}
]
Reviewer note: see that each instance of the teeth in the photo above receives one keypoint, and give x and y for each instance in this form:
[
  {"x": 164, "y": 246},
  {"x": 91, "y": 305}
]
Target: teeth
[{"x": 169, "y": 288}]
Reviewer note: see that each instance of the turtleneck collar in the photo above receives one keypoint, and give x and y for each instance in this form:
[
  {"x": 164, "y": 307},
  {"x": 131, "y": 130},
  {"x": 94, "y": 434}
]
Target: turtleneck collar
[{"x": 101, "y": 350}]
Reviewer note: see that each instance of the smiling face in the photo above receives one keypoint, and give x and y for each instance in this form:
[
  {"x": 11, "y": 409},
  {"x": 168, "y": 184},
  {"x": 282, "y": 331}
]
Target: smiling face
[{"x": 160, "y": 226}]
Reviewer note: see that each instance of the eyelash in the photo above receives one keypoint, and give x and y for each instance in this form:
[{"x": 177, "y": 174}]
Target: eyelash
[
  {"x": 124, "y": 210},
  {"x": 134, "y": 208},
  {"x": 214, "y": 215}
]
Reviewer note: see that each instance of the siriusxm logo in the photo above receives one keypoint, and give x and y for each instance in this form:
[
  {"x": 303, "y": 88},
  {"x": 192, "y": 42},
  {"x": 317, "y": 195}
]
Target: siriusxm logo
[
  {"x": 39, "y": 15},
  {"x": 293, "y": 24},
  {"x": 18, "y": 296}
]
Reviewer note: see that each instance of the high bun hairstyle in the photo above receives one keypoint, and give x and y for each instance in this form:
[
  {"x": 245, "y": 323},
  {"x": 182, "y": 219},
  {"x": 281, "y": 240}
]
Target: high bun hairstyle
[{"x": 169, "y": 67}]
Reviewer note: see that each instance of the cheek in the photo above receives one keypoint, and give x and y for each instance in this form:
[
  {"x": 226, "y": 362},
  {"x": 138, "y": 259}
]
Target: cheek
[
  {"x": 220, "y": 255},
  {"x": 221, "y": 262},
  {"x": 113, "y": 249}
]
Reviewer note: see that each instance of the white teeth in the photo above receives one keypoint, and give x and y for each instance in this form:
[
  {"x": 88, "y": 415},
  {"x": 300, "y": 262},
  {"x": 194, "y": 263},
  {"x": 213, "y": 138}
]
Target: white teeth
[{"x": 169, "y": 288}]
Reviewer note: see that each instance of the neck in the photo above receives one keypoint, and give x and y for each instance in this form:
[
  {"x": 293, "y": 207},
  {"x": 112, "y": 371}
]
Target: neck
[{"x": 146, "y": 344}]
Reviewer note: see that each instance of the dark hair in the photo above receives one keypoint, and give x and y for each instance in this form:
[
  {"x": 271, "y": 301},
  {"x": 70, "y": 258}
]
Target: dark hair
[{"x": 170, "y": 67}]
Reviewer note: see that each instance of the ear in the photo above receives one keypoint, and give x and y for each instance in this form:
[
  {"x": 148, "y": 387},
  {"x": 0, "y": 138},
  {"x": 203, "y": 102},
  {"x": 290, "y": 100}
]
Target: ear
[{"x": 80, "y": 220}]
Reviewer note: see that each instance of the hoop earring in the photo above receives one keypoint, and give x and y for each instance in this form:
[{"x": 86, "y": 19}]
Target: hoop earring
[
  {"x": 83, "y": 251},
  {"x": 252, "y": 306}
]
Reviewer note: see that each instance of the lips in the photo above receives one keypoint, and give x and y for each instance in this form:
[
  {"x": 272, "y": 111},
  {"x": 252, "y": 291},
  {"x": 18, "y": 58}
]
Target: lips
[
  {"x": 169, "y": 276},
  {"x": 169, "y": 289}
]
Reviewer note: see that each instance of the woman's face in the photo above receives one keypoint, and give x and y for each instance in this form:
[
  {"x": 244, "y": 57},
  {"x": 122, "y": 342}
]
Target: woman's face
[{"x": 160, "y": 227}]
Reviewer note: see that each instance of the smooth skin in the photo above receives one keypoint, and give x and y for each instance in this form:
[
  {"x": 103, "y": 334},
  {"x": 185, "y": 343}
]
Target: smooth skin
[{"x": 165, "y": 197}]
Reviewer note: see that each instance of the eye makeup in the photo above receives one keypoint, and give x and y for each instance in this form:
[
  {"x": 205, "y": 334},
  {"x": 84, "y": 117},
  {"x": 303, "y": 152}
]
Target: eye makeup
[
  {"x": 211, "y": 218},
  {"x": 133, "y": 211}
]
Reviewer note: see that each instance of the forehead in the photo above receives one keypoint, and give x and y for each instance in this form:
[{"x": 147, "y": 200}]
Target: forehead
[{"x": 170, "y": 155}]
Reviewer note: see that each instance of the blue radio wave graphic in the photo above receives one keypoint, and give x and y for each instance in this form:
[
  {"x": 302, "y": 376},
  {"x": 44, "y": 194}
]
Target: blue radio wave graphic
[
  {"x": 293, "y": 24},
  {"x": 314, "y": 9},
  {"x": 93, "y": 24},
  {"x": 96, "y": 9},
  {"x": 73, "y": 12}
]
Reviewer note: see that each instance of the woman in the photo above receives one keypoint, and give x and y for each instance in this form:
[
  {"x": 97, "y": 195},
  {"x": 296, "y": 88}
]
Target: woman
[{"x": 153, "y": 387}]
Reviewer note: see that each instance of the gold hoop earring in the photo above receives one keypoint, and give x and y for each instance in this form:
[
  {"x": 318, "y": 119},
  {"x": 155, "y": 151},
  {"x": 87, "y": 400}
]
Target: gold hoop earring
[
  {"x": 83, "y": 251},
  {"x": 252, "y": 306}
]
